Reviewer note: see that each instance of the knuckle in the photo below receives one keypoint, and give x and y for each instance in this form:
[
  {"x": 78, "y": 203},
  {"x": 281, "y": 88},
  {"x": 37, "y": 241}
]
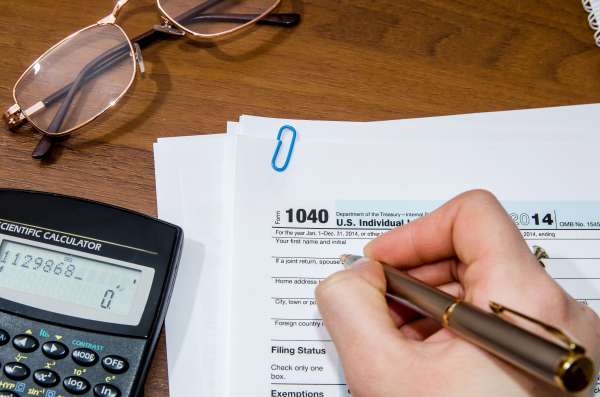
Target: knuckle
[
  {"x": 332, "y": 284},
  {"x": 479, "y": 195}
]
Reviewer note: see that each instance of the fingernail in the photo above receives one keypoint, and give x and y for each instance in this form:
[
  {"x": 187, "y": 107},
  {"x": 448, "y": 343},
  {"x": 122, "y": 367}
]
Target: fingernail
[{"x": 360, "y": 263}]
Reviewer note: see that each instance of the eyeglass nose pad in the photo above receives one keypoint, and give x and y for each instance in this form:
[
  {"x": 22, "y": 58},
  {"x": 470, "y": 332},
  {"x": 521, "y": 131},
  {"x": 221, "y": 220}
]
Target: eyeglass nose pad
[
  {"x": 166, "y": 27},
  {"x": 139, "y": 58},
  {"x": 168, "y": 30}
]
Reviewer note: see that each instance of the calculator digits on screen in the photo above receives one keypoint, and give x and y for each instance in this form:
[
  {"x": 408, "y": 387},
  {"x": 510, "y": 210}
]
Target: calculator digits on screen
[{"x": 84, "y": 289}]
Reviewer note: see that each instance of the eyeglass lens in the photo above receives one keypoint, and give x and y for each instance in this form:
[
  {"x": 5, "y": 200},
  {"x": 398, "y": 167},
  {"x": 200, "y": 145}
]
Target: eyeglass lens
[
  {"x": 77, "y": 80},
  {"x": 213, "y": 17}
]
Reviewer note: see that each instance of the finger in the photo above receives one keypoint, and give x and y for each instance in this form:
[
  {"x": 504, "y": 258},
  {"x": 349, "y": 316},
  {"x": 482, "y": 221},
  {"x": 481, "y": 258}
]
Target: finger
[
  {"x": 354, "y": 308},
  {"x": 454, "y": 289},
  {"x": 438, "y": 273},
  {"x": 469, "y": 226},
  {"x": 420, "y": 329},
  {"x": 474, "y": 228},
  {"x": 442, "y": 335}
]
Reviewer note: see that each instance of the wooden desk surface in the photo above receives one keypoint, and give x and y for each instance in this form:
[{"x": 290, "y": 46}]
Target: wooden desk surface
[{"x": 348, "y": 60}]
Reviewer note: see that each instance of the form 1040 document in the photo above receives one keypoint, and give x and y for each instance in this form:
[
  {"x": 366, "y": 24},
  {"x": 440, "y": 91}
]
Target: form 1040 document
[{"x": 290, "y": 228}]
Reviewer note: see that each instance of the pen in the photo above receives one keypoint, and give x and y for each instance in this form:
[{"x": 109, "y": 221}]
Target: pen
[{"x": 566, "y": 367}]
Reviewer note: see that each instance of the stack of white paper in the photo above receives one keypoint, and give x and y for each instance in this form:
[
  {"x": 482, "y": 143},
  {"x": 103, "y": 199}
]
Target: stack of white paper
[{"x": 243, "y": 319}]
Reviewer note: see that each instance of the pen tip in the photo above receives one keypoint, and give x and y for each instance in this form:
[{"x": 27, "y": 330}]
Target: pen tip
[{"x": 348, "y": 259}]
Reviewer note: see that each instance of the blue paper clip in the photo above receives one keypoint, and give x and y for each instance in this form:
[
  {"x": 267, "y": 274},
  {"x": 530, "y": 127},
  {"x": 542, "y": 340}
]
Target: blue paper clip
[{"x": 278, "y": 148}]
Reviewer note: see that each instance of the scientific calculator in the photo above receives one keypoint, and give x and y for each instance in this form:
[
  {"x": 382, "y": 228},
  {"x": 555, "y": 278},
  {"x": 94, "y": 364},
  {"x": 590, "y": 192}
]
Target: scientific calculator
[{"x": 84, "y": 289}]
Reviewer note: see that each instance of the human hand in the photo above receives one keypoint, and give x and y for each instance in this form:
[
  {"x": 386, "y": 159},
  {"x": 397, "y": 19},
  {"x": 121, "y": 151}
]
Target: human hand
[{"x": 471, "y": 249}]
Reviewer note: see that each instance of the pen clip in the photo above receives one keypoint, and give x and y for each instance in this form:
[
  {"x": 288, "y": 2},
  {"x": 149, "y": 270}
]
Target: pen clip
[{"x": 498, "y": 309}]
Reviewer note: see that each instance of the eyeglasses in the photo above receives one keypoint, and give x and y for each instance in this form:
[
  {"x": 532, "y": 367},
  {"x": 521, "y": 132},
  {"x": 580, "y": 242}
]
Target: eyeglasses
[{"x": 88, "y": 72}]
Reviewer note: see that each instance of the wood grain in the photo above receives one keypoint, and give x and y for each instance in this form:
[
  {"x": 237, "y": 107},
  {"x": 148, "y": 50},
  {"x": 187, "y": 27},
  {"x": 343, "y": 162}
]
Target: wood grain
[{"x": 348, "y": 60}]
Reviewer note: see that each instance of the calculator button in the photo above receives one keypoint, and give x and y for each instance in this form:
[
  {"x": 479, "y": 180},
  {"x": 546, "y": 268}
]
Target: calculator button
[
  {"x": 76, "y": 385},
  {"x": 16, "y": 371},
  {"x": 55, "y": 350},
  {"x": 46, "y": 378},
  {"x": 106, "y": 390},
  {"x": 8, "y": 393},
  {"x": 85, "y": 357},
  {"x": 4, "y": 338},
  {"x": 115, "y": 364},
  {"x": 25, "y": 343}
]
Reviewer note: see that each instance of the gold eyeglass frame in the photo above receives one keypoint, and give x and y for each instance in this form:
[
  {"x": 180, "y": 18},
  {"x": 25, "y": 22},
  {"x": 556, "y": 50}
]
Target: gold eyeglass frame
[
  {"x": 172, "y": 20},
  {"x": 15, "y": 115}
]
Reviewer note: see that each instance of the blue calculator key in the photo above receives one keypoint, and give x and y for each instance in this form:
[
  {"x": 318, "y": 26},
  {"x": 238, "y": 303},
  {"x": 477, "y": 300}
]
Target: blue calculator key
[
  {"x": 4, "y": 338},
  {"x": 8, "y": 393},
  {"x": 76, "y": 385},
  {"x": 55, "y": 350},
  {"x": 46, "y": 378},
  {"x": 25, "y": 343},
  {"x": 115, "y": 364},
  {"x": 106, "y": 390},
  {"x": 85, "y": 357},
  {"x": 16, "y": 371}
]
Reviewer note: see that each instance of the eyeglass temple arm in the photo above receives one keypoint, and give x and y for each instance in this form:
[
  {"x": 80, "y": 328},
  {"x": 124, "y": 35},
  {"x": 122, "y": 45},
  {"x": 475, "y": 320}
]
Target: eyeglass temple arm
[
  {"x": 91, "y": 70},
  {"x": 283, "y": 19},
  {"x": 105, "y": 61},
  {"x": 194, "y": 15}
]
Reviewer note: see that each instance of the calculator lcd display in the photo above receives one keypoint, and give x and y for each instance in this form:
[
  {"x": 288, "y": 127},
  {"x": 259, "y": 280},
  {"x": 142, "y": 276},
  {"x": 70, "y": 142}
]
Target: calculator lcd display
[{"x": 71, "y": 284}]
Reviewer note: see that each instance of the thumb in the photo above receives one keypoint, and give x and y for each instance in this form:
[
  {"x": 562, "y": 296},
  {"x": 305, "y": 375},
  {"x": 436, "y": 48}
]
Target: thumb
[{"x": 354, "y": 308}]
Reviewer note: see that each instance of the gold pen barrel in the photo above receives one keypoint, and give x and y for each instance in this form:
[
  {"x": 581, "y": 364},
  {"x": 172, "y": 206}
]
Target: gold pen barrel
[
  {"x": 420, "y": 297},
  {"x": 567, "y": 368}
]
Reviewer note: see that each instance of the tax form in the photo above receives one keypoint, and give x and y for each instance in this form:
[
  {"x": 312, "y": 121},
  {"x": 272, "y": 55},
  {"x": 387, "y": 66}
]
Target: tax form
[
  {"x": 290, "y": 228},
  {"x": 198, "y": 185}
]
